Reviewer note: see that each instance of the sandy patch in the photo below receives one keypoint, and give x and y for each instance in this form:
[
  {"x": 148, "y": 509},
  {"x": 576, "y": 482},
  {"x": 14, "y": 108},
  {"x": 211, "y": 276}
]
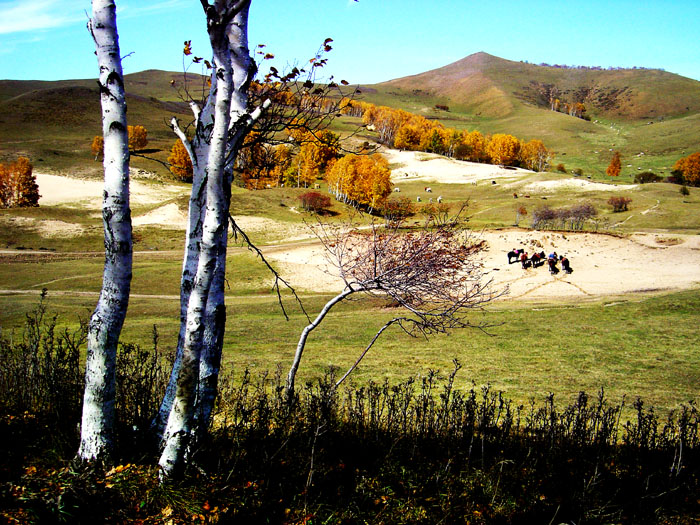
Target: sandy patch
[
  {"x": 546, "y": 186},
  {"x": 59, "y": 190},
  {"x": 604, "y": 265},
  {"x": 48, "y": 228},
  {"x": 414, "y": 165},
  {"x": 169, "y": 216}
]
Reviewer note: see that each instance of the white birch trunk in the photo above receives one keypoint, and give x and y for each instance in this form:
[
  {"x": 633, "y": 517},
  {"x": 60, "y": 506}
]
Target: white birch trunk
[
  {"x": 178, "y": 431},
  {"x": 96, "y": 440},
  {"x": 242, "y": 71},
  {"x": 199, "y": 149}
]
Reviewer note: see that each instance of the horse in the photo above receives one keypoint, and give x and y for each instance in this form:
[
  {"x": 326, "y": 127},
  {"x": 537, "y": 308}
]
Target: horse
[
  {"x": 565, "y": 264},
  {"x": 537, "y": 259},
  {"x": 514, "y": 254}
]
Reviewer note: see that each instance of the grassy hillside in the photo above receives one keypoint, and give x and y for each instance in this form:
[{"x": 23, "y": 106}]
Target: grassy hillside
[
  {"x": 635, "y": 111},
  {"x": 486, "y": 85},
  {"x": 648, "y": 112},
  {"x": 53, "y": 123}
]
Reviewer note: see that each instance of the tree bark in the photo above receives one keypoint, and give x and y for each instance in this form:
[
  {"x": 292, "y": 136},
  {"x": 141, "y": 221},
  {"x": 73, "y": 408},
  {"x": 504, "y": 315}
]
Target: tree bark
[
  {"x": 178, "y": 431},
  {"x": 97, "y": 428}
]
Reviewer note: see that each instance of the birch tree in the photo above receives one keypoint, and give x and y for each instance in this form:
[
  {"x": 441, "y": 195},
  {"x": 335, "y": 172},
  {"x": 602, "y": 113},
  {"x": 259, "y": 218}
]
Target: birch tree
[
  {"x": 233, "y": 107},
  {"x": 96, "y": 439}
]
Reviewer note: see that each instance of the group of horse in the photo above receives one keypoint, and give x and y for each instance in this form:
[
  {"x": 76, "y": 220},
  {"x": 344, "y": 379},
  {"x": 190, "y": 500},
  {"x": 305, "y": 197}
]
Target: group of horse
[{"x": 539, "y": 259}]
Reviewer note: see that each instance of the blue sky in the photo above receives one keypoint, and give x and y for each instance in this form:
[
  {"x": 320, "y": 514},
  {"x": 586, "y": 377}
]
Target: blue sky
[{"x": 374, "y": 40}]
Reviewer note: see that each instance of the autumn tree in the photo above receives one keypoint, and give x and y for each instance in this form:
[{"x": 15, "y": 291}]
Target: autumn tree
[
  {"x": 408, "y": 137},
  {"x": 97, "y": 147},
  {"x": 180, "y": 162},
  {"x": 138, "y": 138},
  {"x": 472, "y": 147},
  {"x": 97, "y": 425},
  {"x": 18, "y": 187},
  {"x": 535, "y": 156},
  {"x": 689, "y": 168},
  {"x": 615, "y": 166},
  {"x": 316, "y": 154},
  {"x": 619, "y": 203},
  {"x": 396, "y": 211},
  {"x": 314, "y": 201},
  {"x": 361, "y": 180},
  {"x": 503, "y": 149},
  {"x": 434, "y": 276}
]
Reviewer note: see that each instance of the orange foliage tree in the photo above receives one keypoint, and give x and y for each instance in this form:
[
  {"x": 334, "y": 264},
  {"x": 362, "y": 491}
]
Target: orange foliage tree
[
  {"x": 138, "y": 138},
  {"x": 361, "y": 180},
  {"x": 689, "y": 168},
  {"x": 615, "y": 166},
  {"x": 408, "y": 137},
  {"x": 180, "y": 162},
  {"x": 472, "y": 147},
  {"x": 97, "y": 147},
  {"x": 18, "y": 187},
  {"x": 316, "y": 155}
]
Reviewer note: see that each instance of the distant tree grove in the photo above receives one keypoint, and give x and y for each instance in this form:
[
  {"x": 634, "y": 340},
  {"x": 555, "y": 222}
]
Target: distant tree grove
[
  {"x": 406, "y": 131},
  {"x": 18, "y": 187}
]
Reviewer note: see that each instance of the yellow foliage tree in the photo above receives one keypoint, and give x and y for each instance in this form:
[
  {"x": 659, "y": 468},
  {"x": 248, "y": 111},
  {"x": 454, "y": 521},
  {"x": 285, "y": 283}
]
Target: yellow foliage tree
[
  {"x": 534, "y": 155},
  {"x": 503, "y": 149},
  {"x": 472, "y": 147},
  {"x": 361, "y": 180},
  {"x": 316, "y": 152},
  {"x": 180, "y": 162},
  {"x": 408, "y": 137}
]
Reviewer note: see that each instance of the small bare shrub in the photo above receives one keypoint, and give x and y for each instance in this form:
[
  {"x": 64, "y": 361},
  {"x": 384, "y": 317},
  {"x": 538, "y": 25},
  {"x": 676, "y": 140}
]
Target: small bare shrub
[
  {"x": 314, "y": 201},
  {"x": 619, "y": 203}
]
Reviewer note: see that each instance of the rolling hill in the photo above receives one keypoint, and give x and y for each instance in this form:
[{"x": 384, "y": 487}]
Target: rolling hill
[
  {"x": 53, "y": 123},
  {"x": 495, "y": 87},
  {"x": 638, "y": 111},
  {"x": 651, "y": 116}
]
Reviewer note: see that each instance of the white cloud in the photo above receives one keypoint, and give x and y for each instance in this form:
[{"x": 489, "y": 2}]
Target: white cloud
[
  {"x": 20, "y": 15},
  {"x": 138, "y": 9}
]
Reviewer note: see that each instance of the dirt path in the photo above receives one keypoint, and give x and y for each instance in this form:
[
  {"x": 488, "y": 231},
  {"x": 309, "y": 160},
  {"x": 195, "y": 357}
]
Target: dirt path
[{"x": 604, "y": 265}]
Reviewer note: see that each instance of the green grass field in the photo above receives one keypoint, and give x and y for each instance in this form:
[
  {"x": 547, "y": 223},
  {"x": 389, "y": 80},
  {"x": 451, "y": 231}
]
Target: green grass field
[
  {"x": 646, "y": 346},
  {"x": 643, "y": 346}
]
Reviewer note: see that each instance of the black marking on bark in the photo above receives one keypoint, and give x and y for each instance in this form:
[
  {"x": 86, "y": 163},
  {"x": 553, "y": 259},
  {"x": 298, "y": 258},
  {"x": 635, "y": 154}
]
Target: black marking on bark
[
  {"x": 115, "y": 125},
  {"x": 115, "y": 78}
]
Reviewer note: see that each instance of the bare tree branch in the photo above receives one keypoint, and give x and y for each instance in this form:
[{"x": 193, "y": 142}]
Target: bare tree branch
[{"x": 278, "y": 279}]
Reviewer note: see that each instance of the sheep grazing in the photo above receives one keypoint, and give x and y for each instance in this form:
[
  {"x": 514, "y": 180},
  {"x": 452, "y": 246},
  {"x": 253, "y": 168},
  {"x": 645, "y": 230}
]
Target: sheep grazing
[
  {"x": 397, "y": 190},
  {"x": 418, "y": 198},
  {"x": 428, "y": 190},
  {"x": 439, "y": 199}
]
